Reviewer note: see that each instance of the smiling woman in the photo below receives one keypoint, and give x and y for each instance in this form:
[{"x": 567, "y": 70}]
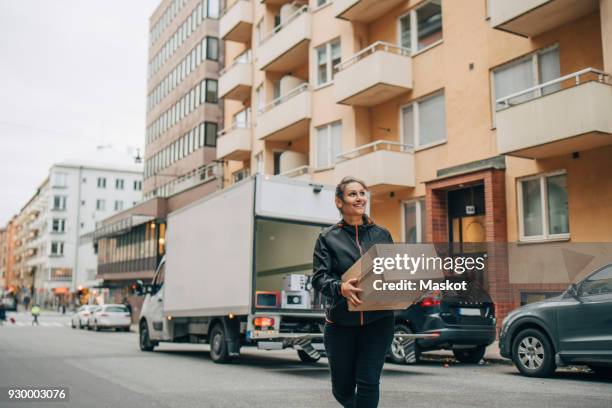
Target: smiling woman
[{"x": 355, "y": 342}]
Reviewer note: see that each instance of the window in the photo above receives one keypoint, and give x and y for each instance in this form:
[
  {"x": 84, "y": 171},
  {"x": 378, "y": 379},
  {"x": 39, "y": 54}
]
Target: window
[
  {"x": 212, "y": 8},
  {"x": 414, "y": 221},
  {"x": 101, "y": 182},
  {"x": 322, "y": 2},
  {"x": 424, "y": 122},
  {"x": 259, "y": 98},
  {"x": 119, "y": 183},
  {"x": 60, "y": 179},
  {"x": 58, "y": 225},
  {"x": 211, "y": 134},
  {"x": 242, "y": 119},
  {"x": 537, "y": 68},
  {"x": 259, "y": 31},
  {"x": 543, "y": 207},
  {"x": 421, "y": 27},
  {"x": 600, "y": 283},
  {"x": 57, "y": 248},
  {"x": 328, "y": 56},
  {"x": 329, "y": 144},
  {"x": 212, "y": 48},
  {"x": 100, "y": 204},
  {"x": 59, "y": 202},
  {"x": 118, "y": 205},
  {"x": 211, "y": 90},
  {"x": 137, "y": 185}
]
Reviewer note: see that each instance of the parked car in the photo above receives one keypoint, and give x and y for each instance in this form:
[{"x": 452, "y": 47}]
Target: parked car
[
  {"x": 572, "y": 328},
  {"x": 110, "y": 317},
  {"x": 79, "y": 318},
  {"x": 10, "y": 303},
  {"x": 463, "y": 322}
]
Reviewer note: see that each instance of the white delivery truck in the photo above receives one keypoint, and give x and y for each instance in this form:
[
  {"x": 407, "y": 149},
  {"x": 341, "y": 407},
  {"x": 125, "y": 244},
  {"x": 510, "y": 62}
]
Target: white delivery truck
[{"x": 237, "y": 270}]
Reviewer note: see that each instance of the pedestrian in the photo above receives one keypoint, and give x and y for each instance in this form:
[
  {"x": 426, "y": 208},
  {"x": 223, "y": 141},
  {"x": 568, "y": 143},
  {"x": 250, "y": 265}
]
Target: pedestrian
[
  {"x": 127, "y": 305},
  {"x": 26, "y": 302},
  {"x": 2, "y": 312},
  {"x": 35, "y": 314},
  {"x": 356, "y": 343}
]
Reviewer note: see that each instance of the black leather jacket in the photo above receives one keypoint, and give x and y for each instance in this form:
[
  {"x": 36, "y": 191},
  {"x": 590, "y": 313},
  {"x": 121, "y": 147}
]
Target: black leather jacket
[{"x": 337, "y": 249}]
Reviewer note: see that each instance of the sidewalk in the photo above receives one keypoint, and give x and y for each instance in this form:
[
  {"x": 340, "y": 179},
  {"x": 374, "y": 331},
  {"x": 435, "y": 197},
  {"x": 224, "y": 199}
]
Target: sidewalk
[{"x": 491, "y": 355}]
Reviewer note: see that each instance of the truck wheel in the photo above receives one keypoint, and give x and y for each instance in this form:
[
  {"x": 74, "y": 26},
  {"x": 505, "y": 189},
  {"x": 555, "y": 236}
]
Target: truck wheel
[
  {"x": 145, "y": 341},
  {"x": 305, "y": 358},
  {"x": 404, "y": 351},
  {"x": 533, "y": 354},
  {"x": 470, "y": 356},
  {"x": 218, "y": 347}
]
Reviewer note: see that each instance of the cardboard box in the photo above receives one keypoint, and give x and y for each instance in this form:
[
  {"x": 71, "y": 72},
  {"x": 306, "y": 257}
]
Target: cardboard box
[{"x": 391, "y": 299}]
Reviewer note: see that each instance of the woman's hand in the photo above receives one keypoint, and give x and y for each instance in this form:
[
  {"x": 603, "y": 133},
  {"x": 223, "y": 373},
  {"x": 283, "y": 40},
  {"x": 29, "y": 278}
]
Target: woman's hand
[{"x": 350, "y": 291}]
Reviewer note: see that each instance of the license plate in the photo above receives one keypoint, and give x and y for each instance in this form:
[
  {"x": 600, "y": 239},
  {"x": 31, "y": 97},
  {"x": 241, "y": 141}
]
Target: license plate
[{"x": 469, "y": 311}]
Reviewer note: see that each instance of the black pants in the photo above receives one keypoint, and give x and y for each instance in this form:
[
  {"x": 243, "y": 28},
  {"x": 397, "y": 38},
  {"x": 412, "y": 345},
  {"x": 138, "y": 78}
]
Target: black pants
[{"x": 356, "y": 356}]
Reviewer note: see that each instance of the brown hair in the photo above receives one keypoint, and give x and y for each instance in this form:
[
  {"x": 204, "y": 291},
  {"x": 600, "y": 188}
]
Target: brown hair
[{"x": 346, "y": 181}]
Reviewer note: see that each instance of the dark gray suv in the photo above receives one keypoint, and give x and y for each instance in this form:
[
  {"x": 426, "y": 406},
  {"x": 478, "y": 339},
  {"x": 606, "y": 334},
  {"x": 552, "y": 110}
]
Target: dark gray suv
[{"x": 573, "y": 328}]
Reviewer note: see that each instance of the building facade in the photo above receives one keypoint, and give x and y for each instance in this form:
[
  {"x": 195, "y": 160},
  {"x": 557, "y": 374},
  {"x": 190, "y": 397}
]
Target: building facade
[
  {"x": 472, "y": 122},
  {"x": 53, "y": 247},
  {"x": 183, "y": 110}
]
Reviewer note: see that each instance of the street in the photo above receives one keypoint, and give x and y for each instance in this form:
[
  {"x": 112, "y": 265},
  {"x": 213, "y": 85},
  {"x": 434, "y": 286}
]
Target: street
[{"x": 107, "y": 369}]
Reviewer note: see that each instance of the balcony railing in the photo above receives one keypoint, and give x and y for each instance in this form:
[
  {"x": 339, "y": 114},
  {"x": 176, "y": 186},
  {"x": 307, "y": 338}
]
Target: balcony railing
[
  {"x": 297, "y": 172},
  {"x": 291, "y": 18},
  {"x": 373, "y": 147},
  {"x": 235, "y": 80},
  {"x": 234, "y": 142},
  {"x": 569, "y": 114},
  {"x": 374, "y": 75},
  {"x": 202, "y": 174},
  {"x": 377, "y": 46},
  {"x": 244, "y": 58},
  {"x": 383, "y": 165},
  {"x": 538, "y": 90},
  {"x": 283, "y": 98}
]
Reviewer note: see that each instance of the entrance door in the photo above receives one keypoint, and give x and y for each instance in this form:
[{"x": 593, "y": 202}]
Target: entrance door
[{"x": 466, "y": 215}]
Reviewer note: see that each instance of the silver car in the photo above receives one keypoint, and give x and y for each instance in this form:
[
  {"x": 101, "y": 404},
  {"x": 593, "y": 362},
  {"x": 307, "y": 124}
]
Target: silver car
[
  {"x": 110, "y": 317},
  {"x": 79, "y": 319}
]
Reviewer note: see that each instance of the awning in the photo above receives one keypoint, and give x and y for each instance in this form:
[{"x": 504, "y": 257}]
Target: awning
[{"x": 121, "y": 226}]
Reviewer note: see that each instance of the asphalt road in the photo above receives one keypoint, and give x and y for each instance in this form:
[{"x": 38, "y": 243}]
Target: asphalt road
[{"x": 107, "y": 369}]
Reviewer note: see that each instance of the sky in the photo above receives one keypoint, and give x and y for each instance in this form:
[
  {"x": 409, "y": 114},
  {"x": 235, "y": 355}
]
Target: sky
[{"x": 72, "y": 77}]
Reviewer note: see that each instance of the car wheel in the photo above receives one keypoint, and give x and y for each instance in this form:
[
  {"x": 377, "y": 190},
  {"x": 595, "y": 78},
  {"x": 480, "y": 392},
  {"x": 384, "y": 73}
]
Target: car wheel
[
  {"x": 533, "y": 354},
  {"x": 126, "y": 329},
  {"x": 402, "y": 350},
  {"x": 470, "y": 356},
  {"x": 306, "y": 358},
  {"x": 218, "y": 347},
  {"x": 145, "y": 342},
  {"x": 601, "y": 370}
]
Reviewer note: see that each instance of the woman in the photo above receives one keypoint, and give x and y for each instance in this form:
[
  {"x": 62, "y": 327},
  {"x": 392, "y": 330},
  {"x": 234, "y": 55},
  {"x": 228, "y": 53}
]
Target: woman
[{"x": 356, "y": 343}]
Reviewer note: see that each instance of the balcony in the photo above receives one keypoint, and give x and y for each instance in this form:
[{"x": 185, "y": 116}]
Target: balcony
[
  {"x": 286, "y": 47},
  {"x": 571, "y": 119},
  {"x": 298, "y": 173},
  {"x": 532, "y": 17},
  {"x": 287, "y": 117},
  {"x": 383, "y": 165},
  {"x": 237, "y": 21},
  {"x": 363, "y": 11},
  {"x": 235, "y": 81},
  {"x": 234, "y": 143},
  {"x": 374, "y": 75}
]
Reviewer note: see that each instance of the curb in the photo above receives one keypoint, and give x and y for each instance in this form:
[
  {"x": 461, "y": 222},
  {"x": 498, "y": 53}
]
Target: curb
[{"x": 449, "y": 356}]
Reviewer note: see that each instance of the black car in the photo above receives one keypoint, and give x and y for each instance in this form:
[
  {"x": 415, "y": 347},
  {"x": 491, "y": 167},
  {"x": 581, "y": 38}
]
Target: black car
[
  {"x": 573, "y": 328},
  {"x": 463, "y": 322}
]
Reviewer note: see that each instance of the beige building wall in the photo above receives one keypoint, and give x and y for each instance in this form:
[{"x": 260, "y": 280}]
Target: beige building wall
[{"x": 461, "y": 66}]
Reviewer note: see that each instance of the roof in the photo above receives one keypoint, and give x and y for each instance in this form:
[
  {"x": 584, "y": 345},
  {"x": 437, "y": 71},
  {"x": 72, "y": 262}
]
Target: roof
[{"x": 105, "y": 158}]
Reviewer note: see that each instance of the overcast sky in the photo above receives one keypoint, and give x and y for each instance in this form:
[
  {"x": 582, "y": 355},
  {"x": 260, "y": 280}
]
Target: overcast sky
[{"x": 72, "y": 76}]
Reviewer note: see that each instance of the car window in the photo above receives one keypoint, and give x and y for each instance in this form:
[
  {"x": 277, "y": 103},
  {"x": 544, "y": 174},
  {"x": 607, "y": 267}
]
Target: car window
[
  {"x": 599, "y": 283},
  {"x": 159, "y": 278},
  {"x": 117, "y": 309}
]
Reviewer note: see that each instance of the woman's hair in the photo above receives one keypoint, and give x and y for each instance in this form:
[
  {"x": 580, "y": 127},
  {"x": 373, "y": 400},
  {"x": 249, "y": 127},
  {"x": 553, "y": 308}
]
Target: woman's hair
[{"x": 344, "y": 182}]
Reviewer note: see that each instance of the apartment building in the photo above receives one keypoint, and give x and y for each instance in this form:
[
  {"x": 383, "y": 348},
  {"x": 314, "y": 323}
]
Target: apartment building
[
  {"x": 183, "y": 111},
  {"x": 3, "y": 256},
  {"x": 472, "y": 121},
  {"x": 53, "y": 254}
]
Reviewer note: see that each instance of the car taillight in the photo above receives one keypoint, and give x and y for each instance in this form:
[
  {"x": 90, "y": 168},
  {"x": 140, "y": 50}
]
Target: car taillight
[
  {"x": 263, "y": 322},
  {"x": 429, "y": 302},
  {"x": 85, "y": 314},
  {"x": 103, "y": 315}
]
